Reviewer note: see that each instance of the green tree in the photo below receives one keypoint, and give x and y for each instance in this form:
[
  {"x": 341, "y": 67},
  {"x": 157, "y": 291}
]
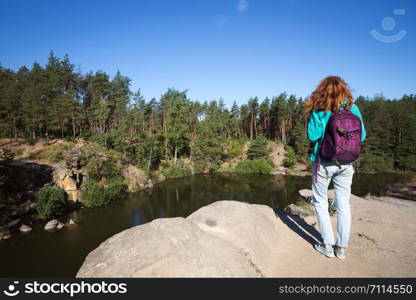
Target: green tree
[
  {"x": 50, "y": 201},
  {"x": 258, "y": 148}
]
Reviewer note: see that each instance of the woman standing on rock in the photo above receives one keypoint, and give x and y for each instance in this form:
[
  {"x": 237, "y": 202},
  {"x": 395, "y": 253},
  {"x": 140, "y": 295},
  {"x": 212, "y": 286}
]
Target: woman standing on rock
[{"x": 337, "y": 129}]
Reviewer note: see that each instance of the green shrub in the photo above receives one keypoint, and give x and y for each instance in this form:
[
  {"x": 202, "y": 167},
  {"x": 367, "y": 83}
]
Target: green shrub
[
  {"x": 115, "y": 189},
  {"x": 94, "y": 194},
  {"x": 6, "y": 153},
  {"x": 99, "y": 168},
  {"x": 408, "y": 163},
  {"x": 148, "y": 154},
  {"x": 50, "y": 201},
  {"x": 178, "y": 170},
  {"x": 298, "y": 140},
  {"x": 70, "y": 139},
  {"x": 290, "y": 159},
  {"x": 104, "y": 140},
  {"x": 236, "y": 147},
  {"x": 258, "y": 148},
  {"x": 85, "y": 134},
  {"x": 208, "y": 152},
  {"x": 376, "y": 164},
  {"x": 258, "y": 165},
  {"x": 225, "y": 170},
  {"x": 55, "y": 154},
  {"x": 98, "y": 194}
]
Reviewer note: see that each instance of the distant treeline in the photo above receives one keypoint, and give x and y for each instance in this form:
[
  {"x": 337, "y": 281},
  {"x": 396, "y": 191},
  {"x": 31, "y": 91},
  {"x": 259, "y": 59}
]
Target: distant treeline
[{"x": 56, "y": 101}]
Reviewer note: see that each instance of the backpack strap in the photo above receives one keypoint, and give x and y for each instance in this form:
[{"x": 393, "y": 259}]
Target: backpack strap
[{"x": 317, "y": 164}]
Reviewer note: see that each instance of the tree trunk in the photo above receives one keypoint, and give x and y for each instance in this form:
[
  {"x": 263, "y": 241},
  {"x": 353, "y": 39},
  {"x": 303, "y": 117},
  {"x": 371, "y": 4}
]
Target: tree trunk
[
  {"x": 191, "y": 146},
  {"x": 143, "y": 124},
  {"x": 151, "y": 122},
  {"x": 62, "y": 127},
  {"x": 165, "y": 128},
  {"x": 150, "y": 158},
  {"x": 251, "y": 127},
  {"x": 73, "y": 124}
]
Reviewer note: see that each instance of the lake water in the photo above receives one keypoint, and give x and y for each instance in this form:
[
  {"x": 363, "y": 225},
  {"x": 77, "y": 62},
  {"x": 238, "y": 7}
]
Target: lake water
[{"x": 61, "y": 253}]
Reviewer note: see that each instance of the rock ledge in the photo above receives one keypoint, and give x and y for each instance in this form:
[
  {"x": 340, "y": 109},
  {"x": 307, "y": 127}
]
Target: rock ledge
[{"x": 223, "y": 239}]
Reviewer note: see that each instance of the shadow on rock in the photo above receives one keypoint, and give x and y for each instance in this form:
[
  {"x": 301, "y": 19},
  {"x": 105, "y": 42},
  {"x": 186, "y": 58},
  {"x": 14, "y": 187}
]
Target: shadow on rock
[{"x": 299, "y": 226}]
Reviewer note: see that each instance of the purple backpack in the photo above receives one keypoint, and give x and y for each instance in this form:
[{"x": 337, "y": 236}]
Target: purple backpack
[{"x": 342, "y": 138}]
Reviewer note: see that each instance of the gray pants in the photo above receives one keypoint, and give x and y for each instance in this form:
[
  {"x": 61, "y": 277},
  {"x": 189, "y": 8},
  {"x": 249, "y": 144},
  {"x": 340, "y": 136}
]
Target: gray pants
[{"x": 342, "y": 179}]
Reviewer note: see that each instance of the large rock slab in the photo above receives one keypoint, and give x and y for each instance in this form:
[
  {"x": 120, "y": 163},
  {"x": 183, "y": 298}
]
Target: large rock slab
[
  {"x": 250, "y": 227},
  {"x": 166, "y": 248},
  {"x": 223, "y": 239}
]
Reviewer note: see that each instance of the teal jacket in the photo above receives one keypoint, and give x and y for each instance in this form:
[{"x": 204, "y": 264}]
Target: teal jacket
[{"x": 317, "y": 124}]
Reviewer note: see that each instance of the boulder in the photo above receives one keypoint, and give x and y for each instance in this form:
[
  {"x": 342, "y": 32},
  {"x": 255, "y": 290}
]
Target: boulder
[
  {"x": 304, "y": 208},
  {"x": 73, "y": 196},
  {"x": 223, "y": 239},
  {"x": 301, "y": 211},
  {"x": 25, "y": 228},
  {"x": 305, "y": 193},
  {"x": 60, "y": 171},
  {"x": 136, "y": 178},
  {"x": 68, "y": 179},
  {"x": 149, "y": 183},
  {"x": 51, "y": 224},
  {"x": 403, "y": 191},
  {"x": 70, "y": 187},
  {"x": 72, "y": 162},
  {"x": 69, "y": 184},
  {"x": 60, "y": 225}
]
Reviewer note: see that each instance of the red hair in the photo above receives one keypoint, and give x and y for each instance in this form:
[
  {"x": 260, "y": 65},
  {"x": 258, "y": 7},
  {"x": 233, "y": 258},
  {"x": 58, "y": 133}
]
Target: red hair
[{"x": 329, "y": 95}]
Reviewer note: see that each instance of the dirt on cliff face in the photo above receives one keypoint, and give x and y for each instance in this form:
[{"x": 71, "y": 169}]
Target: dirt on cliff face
[
  {"x": 24, "y": 150},
  {"x": 277, "y": 156}
]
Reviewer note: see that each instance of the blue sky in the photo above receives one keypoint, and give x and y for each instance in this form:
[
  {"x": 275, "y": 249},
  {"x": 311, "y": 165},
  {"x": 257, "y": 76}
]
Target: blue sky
[{"x": 233, "y": 49}]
